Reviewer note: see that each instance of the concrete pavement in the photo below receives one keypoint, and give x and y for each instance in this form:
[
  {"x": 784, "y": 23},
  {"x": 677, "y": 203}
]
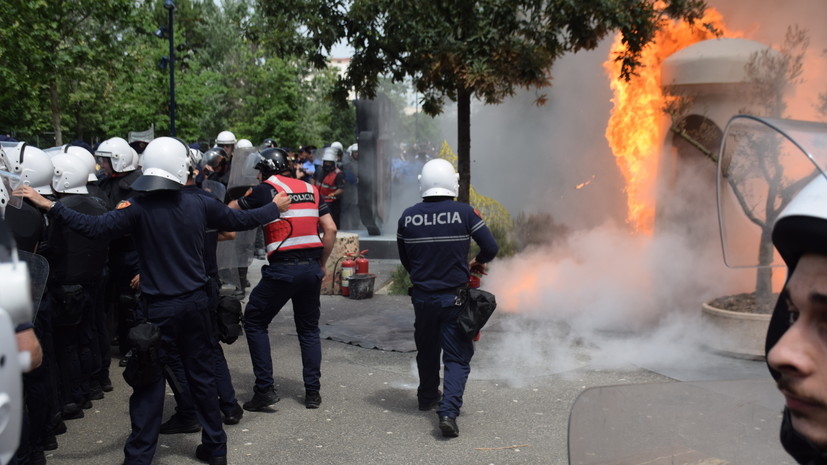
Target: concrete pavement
[{"x": 515, "y": 412}]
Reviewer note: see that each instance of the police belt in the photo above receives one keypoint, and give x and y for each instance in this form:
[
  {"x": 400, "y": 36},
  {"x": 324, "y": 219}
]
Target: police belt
[
  {"x": 293, "y": 261},
  {"x": 448, "y": 290},
  {"x": 150, "y": 299}
]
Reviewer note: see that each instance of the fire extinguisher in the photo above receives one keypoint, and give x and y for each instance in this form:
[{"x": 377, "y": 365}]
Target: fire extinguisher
[
  {"x": 362, "y": 263},
  {"x": 348, "y": 268}
]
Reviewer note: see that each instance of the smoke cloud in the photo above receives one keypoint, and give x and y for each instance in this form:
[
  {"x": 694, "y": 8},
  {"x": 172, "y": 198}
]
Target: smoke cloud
[{"x": 606, "y": 296}]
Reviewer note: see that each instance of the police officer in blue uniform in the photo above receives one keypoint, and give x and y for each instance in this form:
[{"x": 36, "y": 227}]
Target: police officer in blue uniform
[
  {"x": 296, "y": 256},
  {"x": 185, "y": 420},
  {"x": 433, "y": 238},
  {"x": 169, "y": 229},
  {"x": 76, "y": 265}
]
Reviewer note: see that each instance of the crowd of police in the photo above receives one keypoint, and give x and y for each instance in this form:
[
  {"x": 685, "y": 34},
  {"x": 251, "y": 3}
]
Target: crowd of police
[{"x": 130, "y": 232}]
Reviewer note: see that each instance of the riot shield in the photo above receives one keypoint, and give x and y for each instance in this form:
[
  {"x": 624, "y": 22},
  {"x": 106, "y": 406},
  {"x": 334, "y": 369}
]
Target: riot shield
[
  {"x": 215, "y": 188},
  {"x": 709, "y": 423},
  {"x": 243, "y": 172},
  {"x": 11, "y": 390},
  {"x": 762, "y": 164},
  {"x": 15, "y": 308},
  {"x": 38, "y": 268},
  {"x": 238, "y": 253}
]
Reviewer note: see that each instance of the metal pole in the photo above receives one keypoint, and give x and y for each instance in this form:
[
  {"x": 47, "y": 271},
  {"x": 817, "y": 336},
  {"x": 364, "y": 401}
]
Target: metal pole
[{"x": 171, "y": 75}]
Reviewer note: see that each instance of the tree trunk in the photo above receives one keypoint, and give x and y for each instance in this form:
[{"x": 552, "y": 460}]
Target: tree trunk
[
  {"x": 55, "y": 113},
  {"x": 763, "y": 276},
  {"x": 464, "y": 144}
]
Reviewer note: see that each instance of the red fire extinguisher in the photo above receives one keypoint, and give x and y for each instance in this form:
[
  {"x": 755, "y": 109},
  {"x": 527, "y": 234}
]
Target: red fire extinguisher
[
  {"x": 362, "y": 263},
  {"x": 348, "y": 268}
]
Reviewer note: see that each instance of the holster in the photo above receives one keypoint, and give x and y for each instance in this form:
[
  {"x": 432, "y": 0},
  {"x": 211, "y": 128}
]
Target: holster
[
  {"x": 70, "y": 299},
  {"x": 476, "y": 311},
  {"x": 228, "y": 319},
  {"x": 144, "y": 367}
]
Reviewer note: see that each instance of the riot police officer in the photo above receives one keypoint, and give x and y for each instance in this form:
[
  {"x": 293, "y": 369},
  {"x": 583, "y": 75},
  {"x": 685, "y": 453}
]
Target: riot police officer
[
  {"x": 433, "y": 238},
  {"x": 169, "y": 229},
  {"x": 28, "y": 224},
  {"x": 184, "y": 419},
  {"x": 296, "y": 256},
  {"x": 119, "y": 162},
  {"x": 76, "y": 265},
  {"x": 331, "y": 182}
]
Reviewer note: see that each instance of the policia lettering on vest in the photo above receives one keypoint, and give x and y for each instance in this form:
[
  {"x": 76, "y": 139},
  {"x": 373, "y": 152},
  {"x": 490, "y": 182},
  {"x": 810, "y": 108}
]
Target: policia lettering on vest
[{"x": 432, "y": 219}]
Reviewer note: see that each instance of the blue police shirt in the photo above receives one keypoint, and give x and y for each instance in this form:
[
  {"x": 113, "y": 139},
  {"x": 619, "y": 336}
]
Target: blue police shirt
[
  {"x": 434, "y": 237},
  {"x": 169, "y": 229},
  {"x": 210, "y": 239}
]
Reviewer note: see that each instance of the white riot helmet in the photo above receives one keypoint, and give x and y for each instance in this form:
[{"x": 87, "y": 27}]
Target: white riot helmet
[
  {"x": 122, "y": 156},
  {"x": 353, "y": 149},
  {"x": 195, "y": 159},
  {"x": 70, "y": 175},
  {"x": 225, "y": 138},
  {"x": 4, "y": 194},
  {"x": 330, "y": 154},
  {"x": 32, "y": 165},
  {"x": 244, "y": 143},
  {"x": 87, "y": 158},
  {"x": 438, "y": 179},
  {"x": 4, "y": 199},
  {"x": 338, "y": 147},
  {"x": 165, "y": 163},
  {"x": 802, "y": 226}
]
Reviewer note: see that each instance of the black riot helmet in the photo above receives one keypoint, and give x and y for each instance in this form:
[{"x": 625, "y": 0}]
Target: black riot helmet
[
  {"x": 269, "y": 143},
  {"x": 272, "y": 161},
  {"x": 213, "y": 157}
]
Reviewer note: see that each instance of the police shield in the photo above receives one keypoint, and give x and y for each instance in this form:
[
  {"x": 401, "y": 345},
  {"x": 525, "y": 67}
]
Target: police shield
[
  {"x": 238, "y": 253},
  {"x": 243, "y": 172},
  {"x": 711, "y": 422},
  {"x": 38, "y": 268},
  {"x": 215, "y": 188},
  {"x": 762, "y": 164}
]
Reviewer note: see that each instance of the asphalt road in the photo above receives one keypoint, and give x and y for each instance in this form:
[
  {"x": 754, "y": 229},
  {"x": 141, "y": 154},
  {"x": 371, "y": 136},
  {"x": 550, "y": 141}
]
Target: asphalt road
[{"x": 514, "y": 412}]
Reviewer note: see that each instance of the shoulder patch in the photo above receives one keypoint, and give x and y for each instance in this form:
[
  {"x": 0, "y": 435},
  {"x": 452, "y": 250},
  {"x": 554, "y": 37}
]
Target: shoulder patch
[
  {"x": 477, "y": 212},
  {"x": 249, "y": 191},
  {"x": 123, "y": 204}
]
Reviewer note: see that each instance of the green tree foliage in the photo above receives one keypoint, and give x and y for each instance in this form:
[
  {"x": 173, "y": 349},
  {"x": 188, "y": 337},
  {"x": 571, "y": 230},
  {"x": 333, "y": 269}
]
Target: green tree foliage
[
  {"x": 323, "y": 120},
  {"x": 482, "y": 49},
  {"x": 90, "y": 69},
  {"x": 55, "y": 57}
]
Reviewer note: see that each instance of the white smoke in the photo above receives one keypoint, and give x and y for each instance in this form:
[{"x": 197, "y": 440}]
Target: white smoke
[{"x": 607, "y": 297}]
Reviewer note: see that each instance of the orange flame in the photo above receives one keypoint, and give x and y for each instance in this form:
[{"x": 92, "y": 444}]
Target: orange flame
[
  {"x": 585, "y": 183},
  {"x": 635, "y": 130}
]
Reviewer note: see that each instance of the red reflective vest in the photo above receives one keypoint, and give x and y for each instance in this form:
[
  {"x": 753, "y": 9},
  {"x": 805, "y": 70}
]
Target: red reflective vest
[
  {"x": 328, "y": 185},
  {"x": 303, "y": 215}
]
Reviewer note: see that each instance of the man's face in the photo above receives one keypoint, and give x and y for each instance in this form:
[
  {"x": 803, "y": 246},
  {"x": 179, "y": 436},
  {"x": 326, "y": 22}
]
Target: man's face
[
  {"x": 106, "y": 164},
  {"x": 228, "y": 149},
  {"x": 801, "y": 353}
]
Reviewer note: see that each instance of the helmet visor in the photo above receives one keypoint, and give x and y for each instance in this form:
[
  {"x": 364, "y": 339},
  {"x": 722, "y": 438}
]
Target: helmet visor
[
  {"x": 11, "y": 182},
  {"x": 763, "y": 164}
]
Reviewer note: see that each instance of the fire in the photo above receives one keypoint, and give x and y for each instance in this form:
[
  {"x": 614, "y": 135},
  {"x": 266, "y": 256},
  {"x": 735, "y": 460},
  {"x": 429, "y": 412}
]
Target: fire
[
  {"x": 636, "y": 126},
  {"x": 585, "y": 183}
]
